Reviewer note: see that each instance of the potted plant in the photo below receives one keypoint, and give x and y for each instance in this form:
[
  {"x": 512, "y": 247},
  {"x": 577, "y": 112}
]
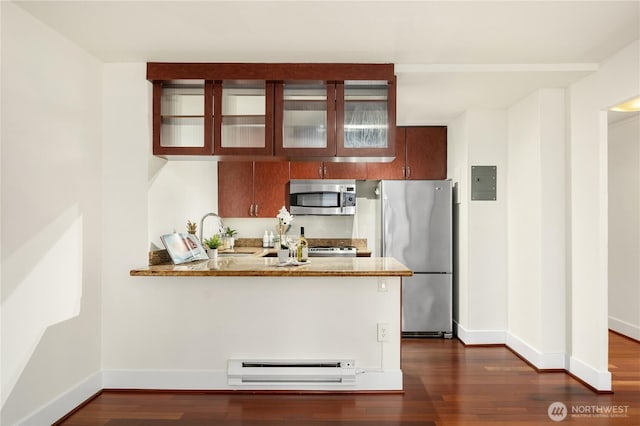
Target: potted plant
[
  {"x": 212, "y": 245},
  {"x": 229, "y": 236}
]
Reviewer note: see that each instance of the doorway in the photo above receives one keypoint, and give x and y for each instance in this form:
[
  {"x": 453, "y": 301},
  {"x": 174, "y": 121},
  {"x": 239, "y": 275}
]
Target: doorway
[{"x": 623, "y": 146}]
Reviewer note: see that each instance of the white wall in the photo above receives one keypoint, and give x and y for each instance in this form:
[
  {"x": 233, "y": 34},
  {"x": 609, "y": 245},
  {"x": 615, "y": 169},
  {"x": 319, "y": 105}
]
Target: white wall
[
  {"x": 126, "y": 323},
  {"x": 624, "y": 226},
  {"x": 536, "y": 229},
  {"x": 458, "y": 172},
  {"x": 479, "y": 138},
  {"x": 51, "y": 216},
  {"x": 616, "y": 80}
]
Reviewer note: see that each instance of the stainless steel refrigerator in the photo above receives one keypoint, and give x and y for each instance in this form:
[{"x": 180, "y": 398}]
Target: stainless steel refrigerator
[{"x": 417, "y": 230}]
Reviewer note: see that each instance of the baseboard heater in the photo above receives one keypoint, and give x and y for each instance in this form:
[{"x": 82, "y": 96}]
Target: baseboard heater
[{"x": 283, "y": 372}]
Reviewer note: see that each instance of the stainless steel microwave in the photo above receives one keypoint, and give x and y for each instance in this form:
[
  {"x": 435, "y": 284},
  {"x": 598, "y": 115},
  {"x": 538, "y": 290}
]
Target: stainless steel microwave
[{"x": 322, "y": 197}]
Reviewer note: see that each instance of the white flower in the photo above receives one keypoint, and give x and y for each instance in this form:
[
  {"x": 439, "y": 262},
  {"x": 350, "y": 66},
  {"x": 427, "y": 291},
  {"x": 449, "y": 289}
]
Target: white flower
[
  {"x": 284, "y": 217},
  {"x": 284, "y": 222}
]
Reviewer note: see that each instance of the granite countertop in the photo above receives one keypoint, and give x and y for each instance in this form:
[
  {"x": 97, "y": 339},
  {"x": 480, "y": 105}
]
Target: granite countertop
[{"x": 257, "y": 266}]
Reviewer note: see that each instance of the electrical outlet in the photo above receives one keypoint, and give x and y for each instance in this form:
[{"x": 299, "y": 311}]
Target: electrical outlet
[
  {"x": 382, "y": 284},
  {"x": 383, "y": 332}
]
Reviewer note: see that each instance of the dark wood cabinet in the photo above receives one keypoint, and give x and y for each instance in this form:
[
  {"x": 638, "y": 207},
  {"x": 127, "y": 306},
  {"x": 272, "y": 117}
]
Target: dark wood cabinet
[
  {"x": 181, "y": 119},
  {"x": 251, "y": 189},
  {"x": 326, "y": 119},
  {"x": 243, "y": 124},
  {"x": 270, "y": 187},
  {"x": 327, "y": 170},
  {"x": 287, "y": 110},
  {"x": 356, "y": 171},
  {"x": 235, "y": 189},
  {"x": 421, "y": 154},
  {"x": 306, "y": 169},
  {"x": 305, "y": 119},
  {"x": 365, "y": 118},
  {"x": 213, "y": 117},
  {"x": 426, "y": 152}
]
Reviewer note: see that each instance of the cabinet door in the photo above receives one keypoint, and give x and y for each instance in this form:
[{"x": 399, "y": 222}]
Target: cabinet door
[
  {"x": 235, "y": 188},
  {"x": 244, "y": 123},
  {"x": 181, "y": 117},
  {"x": 345, "y": 170},
  {"x": 365, "y": 118},
  {"x": 426, "y": 152},
  {"x": 396, "y": 168},
  {"x": 306, "y": 169},
  {"x": 305, "y": 119},
  {"x": 270, "y": 187}
]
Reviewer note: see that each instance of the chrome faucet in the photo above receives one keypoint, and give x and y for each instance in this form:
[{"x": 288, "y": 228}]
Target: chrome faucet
[{"x": 220, "y": 226}]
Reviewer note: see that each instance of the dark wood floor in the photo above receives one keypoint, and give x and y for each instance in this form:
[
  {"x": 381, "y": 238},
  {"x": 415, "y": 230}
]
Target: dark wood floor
[{"x": 445, "y": 384}]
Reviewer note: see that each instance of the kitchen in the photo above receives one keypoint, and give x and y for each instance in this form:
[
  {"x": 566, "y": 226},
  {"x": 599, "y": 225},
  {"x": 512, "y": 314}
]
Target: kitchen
[{"x": 126, "y": 322}]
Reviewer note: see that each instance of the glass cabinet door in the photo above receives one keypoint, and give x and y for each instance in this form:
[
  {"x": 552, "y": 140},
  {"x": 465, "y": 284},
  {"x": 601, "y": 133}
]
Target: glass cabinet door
[
  {"x": 245, "y": 123},
  {"x": 305, "y": 118},
  {"x": 364, "y": 123},
  {"x": 181, "y": 117}
]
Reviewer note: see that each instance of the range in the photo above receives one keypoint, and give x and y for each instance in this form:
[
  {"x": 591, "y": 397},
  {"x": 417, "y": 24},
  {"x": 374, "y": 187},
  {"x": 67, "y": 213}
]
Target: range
[{"x": 332, "y": 252}]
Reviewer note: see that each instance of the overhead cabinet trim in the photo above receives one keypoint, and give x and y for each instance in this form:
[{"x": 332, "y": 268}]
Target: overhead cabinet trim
[{"x": 159, "y": 71}]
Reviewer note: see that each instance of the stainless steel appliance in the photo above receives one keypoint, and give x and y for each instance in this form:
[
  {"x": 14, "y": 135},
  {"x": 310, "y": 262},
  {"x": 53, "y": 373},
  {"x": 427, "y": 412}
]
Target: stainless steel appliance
[
  {"x": 332, "y": 252},
  {"x": 322, "y": 197},
  {"x": 417, "y": 231}
]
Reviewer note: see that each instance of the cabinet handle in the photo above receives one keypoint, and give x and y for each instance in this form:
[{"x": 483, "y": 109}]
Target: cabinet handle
[
  {"x": 320, "y": 171},
  {"x": 256, "y": 210},
  {"x": 251, "y": 210},
  {"x": 324, "y": 171},
  {"x": 408, "y": 171},
  {"x": 404, "y": 171}
]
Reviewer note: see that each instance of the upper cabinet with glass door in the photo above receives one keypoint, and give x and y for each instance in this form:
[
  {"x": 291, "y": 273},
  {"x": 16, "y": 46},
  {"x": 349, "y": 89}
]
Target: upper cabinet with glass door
[
  {"x": 291, "y": 110},
  {"x": 365, "y": 119},
  {"x": 305, "y": 119},
  {"x": 179, "y": 118},
  {"x": 245, "y": 125}
]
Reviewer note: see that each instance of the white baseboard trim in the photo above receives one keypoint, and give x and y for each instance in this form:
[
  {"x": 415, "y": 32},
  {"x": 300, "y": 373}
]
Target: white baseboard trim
[
  {"x": 64, "y": 403},
  {"x": 367, "y": 380},
  {"x": 480, "y": 337},
  {"x": 164, "y": 379},
  {"x": 624, "y": 328},
  {"x": 599, "y": 380},
  {"x": 540, "y": 360}
]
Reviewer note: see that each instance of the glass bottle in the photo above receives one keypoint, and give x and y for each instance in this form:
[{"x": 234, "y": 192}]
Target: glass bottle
[{"x": 303, "y": 247}]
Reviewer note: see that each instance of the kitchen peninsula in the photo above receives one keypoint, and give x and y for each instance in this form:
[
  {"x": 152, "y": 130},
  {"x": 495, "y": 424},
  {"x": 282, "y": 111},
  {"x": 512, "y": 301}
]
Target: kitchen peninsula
[
  {"x": 258, "y": 266},
  {"x": 336, "y": 311}
]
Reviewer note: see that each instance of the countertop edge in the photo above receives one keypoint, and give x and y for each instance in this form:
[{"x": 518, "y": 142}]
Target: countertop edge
[
  {"x": 260, "y": 267},
  {"x": 284, "y": 273}
]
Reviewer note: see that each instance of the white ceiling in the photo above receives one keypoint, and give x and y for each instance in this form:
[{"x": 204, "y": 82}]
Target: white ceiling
[{"x": 450, "y": 55}]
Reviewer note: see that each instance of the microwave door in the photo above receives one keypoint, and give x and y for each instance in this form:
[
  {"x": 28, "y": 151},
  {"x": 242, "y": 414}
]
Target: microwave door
[
  {"x": 315, "y": 203},
  {"x": 318, "y": 199}
]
